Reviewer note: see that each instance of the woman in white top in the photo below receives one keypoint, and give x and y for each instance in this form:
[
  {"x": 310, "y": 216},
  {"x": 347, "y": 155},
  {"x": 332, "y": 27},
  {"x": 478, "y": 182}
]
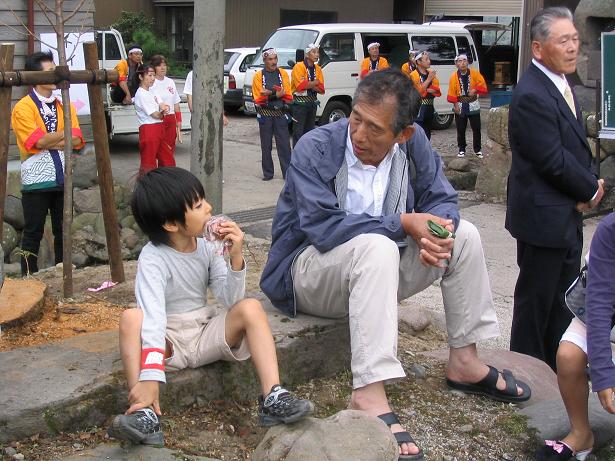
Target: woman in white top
[
  {"x": 165, "y": 88},
  {"x": 150, "y": 113}
]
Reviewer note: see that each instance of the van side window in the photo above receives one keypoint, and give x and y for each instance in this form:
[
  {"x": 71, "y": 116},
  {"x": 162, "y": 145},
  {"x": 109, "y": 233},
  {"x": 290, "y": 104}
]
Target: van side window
[
  {"x": 246, "y": 62},
  {"x": 112, "y": 50},
  {"x": 463, "y": 45},
  {"x": 336, "y": 47},
  {"x": 441, "y": 49},
  {"x": 393, "y": 47}
]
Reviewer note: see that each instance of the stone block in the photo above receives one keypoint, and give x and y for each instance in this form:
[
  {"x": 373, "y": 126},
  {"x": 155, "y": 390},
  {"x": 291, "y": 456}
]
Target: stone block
[
  {"x": 132, "y": 453},
  {"x": 346, "y": 435},
  {"x": 79, "y": 396},
  {"x": 550, "y": 420},
  {"x": 591, "y": 127},
  {"x": 82, "y": 220},
  {"x": 493, "y": 174},
  {"x": 87, "y": 200},
  {"x": 10, "y": 238},
  {"x": 462, "y": 180},
  {"x": 85, "y": 173},
  {"x": 497, "y": 127},
  {"x": 129, "y": 238},
  {"x": 607, "y": 171},
  {"x": 13, "y": 183},
  {"x": 412, "y": 318},
  {"x": 459, "y": 164},
  {"x": 128, "y": 222},
  {"x": 13, "y": 212}
]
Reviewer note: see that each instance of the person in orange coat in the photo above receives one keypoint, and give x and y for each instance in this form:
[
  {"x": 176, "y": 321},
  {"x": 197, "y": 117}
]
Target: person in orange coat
[
  {"x": 409, "y": 66},
  {"x": 271, "y": 92},
  {"x": 374, "y": 61},
  {"x": 464, "y": 88},
  {"x": 38, "y": 124},
  {"x": 428, "y": 86},
  {"x": 307, "y": 82},
  {"x": 123, "y": 91}
]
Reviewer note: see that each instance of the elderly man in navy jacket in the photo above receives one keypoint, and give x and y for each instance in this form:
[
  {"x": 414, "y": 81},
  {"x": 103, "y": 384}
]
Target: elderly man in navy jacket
[
  {"x": 550, "y": 183},
  {"x": 350, "y": 239}
]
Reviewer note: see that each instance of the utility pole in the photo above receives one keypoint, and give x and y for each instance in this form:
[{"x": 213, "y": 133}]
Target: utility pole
[{"x": 207, "y": 92}]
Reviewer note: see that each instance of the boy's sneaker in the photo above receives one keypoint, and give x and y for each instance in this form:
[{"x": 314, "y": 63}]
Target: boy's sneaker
[
  {"x": 280, "y": 406},
  {"x": 142, "y": 426},
  {"x": 461, "y": 154},
  {"x": 478, "y": 154}
]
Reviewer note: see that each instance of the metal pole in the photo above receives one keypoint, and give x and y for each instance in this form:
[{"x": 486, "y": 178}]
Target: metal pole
[
  {"x": 103, "y": 165},
  {"x": 7, "y": 51},
  {"x": 208, "y": 67}
]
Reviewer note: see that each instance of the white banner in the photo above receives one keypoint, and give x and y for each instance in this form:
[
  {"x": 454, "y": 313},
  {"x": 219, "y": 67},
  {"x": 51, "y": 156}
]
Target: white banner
[{"x": 73, "y": 45}]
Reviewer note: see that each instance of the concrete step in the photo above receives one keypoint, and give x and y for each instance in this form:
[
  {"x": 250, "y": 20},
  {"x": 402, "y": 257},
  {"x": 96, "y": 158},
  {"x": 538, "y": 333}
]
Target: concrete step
[{"x": 78, "y": 383}]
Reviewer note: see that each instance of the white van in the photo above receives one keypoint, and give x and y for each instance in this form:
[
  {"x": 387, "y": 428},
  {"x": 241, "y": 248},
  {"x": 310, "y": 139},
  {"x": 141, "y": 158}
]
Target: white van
[{"x": 342, "y": 48}]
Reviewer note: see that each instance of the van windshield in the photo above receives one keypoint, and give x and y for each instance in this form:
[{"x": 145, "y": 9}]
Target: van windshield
[{"x": 286, "y": 42}]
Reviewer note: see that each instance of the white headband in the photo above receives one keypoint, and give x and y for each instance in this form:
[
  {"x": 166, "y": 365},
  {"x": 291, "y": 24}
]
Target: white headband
[
  {"x": 135, "y": 50},
  {"x": 269, "y": 52},
  {"x": 310, "y": 47},
  {"x": 461, "y": 56},
  {"x": 420, "y": 54},
  {"x": 412, "y": 52},
  {"x": 371, "y": 45}
]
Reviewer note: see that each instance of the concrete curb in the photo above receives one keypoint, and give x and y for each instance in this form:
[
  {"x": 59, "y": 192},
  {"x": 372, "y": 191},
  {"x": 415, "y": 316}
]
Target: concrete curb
[{"x": 78, "y": 383}]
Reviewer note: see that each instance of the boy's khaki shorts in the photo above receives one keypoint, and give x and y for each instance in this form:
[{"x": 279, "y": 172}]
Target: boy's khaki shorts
[{"x": 197, "y": 338}]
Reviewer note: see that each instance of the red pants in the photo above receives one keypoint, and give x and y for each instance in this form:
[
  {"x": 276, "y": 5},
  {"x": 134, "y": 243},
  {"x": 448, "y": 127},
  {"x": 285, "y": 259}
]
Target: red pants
[
  {"x": 150, "y": 146},
  {"x": 169, "y": 136}
]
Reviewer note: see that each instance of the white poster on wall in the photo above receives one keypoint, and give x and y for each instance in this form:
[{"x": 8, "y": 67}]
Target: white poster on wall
[{"x": 73, "y": 44}]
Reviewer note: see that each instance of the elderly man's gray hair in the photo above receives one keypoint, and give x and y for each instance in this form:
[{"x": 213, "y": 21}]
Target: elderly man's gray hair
[{"x": 540, "y": 28}]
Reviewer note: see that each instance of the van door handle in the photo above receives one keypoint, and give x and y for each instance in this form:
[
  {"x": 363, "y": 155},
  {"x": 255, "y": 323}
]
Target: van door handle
[{"x": 356, "y": 74}]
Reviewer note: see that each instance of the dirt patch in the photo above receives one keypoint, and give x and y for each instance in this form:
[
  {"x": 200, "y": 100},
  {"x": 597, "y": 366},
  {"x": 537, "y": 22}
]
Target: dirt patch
[{"x": 89, "y": 312}]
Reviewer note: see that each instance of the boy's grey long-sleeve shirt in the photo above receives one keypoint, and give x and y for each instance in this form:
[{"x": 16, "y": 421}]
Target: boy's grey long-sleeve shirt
[{"x": 170, "y": 282}]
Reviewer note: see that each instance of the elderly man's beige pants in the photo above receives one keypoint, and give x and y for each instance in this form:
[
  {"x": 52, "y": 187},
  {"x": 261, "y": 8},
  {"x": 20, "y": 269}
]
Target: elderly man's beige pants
[{"x": 365, "y": 277}]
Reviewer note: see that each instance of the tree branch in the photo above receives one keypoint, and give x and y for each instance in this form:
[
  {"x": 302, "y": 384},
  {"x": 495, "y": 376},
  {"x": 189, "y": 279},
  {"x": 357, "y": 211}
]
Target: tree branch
[
  {"x": 77, "y": 8},
  {"x": 27, "y": 34},
  {"x": 44, "y": 9}
]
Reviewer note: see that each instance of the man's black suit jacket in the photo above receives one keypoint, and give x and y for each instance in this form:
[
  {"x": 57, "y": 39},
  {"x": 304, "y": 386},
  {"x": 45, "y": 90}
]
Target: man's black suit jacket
[{"x": 551, "y": 164}]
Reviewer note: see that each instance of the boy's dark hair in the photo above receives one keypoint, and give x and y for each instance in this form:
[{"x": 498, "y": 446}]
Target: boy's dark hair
[
  {"x": 164, "y": 195},
  {"x": 392, "y": 83},
  {"x": 35, "y": 61}
]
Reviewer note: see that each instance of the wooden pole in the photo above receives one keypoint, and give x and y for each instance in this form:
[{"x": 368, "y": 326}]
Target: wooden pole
[
  {"x": 41, "y": 77},
  {"x": 7, "y": 50},
  {"x": 103, "y": 164},
  {"x": 206, "y": 148}
]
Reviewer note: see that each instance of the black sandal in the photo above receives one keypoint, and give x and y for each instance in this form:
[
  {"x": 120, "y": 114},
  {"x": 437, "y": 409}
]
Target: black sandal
[
  {"x": 487, "y": 387},
  {"x": 402, "y": 437}
]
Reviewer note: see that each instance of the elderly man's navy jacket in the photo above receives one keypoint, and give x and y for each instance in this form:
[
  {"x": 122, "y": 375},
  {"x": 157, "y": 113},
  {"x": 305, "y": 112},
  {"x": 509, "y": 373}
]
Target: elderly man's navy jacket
[{"x": 309, "y": 213}]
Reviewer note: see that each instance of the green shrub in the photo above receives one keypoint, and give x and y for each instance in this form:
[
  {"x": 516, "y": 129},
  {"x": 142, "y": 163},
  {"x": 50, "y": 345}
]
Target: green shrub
[{"x": 131, "y": 21}]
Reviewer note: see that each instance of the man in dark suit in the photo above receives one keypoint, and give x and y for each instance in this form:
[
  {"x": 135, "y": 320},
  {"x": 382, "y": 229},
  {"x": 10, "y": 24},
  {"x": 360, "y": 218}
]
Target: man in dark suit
[{"x": 549, "y": 185}]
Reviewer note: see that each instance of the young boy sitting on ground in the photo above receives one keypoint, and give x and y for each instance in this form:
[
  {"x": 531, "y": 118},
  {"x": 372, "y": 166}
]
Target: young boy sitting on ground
[{"x": 173, "y": 328}]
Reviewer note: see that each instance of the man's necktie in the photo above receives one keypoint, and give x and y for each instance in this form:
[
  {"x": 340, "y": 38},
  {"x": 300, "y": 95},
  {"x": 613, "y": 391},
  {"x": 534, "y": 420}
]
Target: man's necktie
[{"x": 570, "y": 100}]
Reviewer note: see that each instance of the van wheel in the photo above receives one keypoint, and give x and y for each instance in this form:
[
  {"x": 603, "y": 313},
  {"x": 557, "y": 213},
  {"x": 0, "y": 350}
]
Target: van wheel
[
  {"x": 442, "y": 121},
  {"x": 335, "y": 110}
]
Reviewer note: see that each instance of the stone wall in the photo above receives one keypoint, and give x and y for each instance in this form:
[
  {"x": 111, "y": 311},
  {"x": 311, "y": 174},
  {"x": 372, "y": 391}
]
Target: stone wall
[
  {"x": 89, "y": 244},
  {"x": 492, "y": 177}
]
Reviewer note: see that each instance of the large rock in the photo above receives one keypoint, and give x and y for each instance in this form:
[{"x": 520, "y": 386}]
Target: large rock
[
  {"x": 591, "y": 18},
  {"x": 607, "y": 171},
  {"x": 535, "y": 373},
  {"x": 346, "y": 435},
  {"x": 497, "y": 128},
  {"x": 84, "y": 219},
  {"x": 593, "y": 145},
  {"x": 608, "y": 146},
  {"x": 13, "y": 183},
  {"x": 462, "y": 180},
  {"x": 13, "y": 212},
  {"x": 591, "y": 127},
  {"x": 115, "y": 452},
  {"x": 87, "y": 200},
  {"x": 412, "y": 317},
  {"x": 85, "y": 174},
  {"x": 10, "y": 238},
  {"x": 129, "y": 238},
  {"x": 586, "y": 97},
  {"x": 550, "y": 420},
  {"x": 459, "y": 164},
  {"x": 493, "y": 174}
]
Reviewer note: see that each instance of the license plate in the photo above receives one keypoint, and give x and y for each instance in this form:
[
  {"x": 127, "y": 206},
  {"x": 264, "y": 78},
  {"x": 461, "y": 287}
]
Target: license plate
[
  {"x": 250, "y": 107},
  {"x": 225, "y": 84}
]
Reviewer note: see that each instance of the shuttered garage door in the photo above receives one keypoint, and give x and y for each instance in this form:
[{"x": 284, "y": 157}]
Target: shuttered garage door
[{"x": 473, "y": 7}]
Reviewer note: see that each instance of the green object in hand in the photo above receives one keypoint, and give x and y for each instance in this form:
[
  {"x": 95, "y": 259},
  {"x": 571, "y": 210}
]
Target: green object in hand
[{"x": 439, "y": 231}]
